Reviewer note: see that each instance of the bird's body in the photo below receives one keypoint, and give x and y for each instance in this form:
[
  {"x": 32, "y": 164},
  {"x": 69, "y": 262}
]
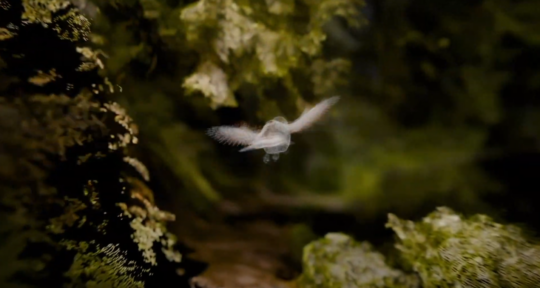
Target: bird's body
[{"x": 275, "y": 136}]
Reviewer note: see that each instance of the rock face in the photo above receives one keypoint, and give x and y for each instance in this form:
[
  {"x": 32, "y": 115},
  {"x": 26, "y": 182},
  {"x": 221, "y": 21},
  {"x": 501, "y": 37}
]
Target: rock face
[
  {"x": 75, "y": 209},
  {"x": 449, "y": 250},
  {"x": 337, "y": 261},
  {"x": 444, "y": 249}
]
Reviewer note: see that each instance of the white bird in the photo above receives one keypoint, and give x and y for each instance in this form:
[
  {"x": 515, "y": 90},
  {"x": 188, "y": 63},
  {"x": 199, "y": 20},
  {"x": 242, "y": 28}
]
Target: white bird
[{"x": 275, "y": 136}]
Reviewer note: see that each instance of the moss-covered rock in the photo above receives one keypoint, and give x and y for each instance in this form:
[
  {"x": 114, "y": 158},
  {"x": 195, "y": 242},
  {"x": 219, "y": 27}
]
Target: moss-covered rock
[
  {"x": 444, "y": 250},
  {"x": 449, "y": 250},
  {"x": 249, "y": 44},
  {"x": 337, "y": 261},
  {"x": 76, "y": 211}
]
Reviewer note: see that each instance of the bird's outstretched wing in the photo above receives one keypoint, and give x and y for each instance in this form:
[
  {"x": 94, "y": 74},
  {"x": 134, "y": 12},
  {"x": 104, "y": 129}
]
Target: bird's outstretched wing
[
  {"x": 312, "y": 115},
  {"x": 232, "y": 135}
]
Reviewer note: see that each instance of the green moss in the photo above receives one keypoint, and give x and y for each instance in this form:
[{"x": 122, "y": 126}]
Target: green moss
[
  {"x": 72, "y": 187},
  {"x": 248, "y": 43},
  {"x": 444, "y": 250},
  {"x": 337, "y": 261},
  {"x": 95, "y": 266},
  {"x": 449, "y": 250},
  {"x": 70, "y": 25}
]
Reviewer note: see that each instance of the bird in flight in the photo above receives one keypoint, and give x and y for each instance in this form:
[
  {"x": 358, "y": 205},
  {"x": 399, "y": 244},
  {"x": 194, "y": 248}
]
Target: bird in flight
[{"x": 275, "y": 136}]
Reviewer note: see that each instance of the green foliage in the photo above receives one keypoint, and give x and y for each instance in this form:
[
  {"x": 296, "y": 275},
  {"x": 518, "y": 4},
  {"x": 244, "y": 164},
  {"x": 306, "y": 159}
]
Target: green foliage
[
  {"x": 248, "y": 42},
  {"x": 269, "y": 53},
  {"x": 422, "y": 93},
  {"x": 424, "y": 87},
  {"x": 421, "y": 87},
  {"x": 337, "y": 261},
  {"x": 444, "y": 249},
  {"x": 107, "y": 267},
  {"x": 434, "y": 82},
  {"x": 448, "y": 250},
  {"x": 69, "y": 185}
]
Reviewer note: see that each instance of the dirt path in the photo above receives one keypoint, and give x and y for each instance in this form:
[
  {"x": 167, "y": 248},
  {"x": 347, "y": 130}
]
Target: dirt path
[{"x": 244, "y": 255}]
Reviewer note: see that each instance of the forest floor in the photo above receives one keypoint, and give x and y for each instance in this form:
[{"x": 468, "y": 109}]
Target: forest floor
[{"x": 250, "y": 253}]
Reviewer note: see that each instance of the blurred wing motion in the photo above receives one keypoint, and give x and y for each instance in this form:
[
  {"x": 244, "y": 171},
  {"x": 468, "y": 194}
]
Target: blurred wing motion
[
  {"x": 312, "y": 115},
  {"x": 231, "y": 135},
  {"x": 264, "y": 143}
]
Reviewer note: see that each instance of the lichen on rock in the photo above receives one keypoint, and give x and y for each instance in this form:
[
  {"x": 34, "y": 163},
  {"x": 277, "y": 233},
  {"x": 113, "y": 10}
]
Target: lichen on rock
[
  {"x": 71, "y": 187},
  {"x": 449, "y": 250},
  {"x": 70, "y": 25},
  {"x": 107, "y": 266},
  {"x": 259, "y": 42},
  {"x": 444, "y": 249},
  {"x": 338, "y": 261}
]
